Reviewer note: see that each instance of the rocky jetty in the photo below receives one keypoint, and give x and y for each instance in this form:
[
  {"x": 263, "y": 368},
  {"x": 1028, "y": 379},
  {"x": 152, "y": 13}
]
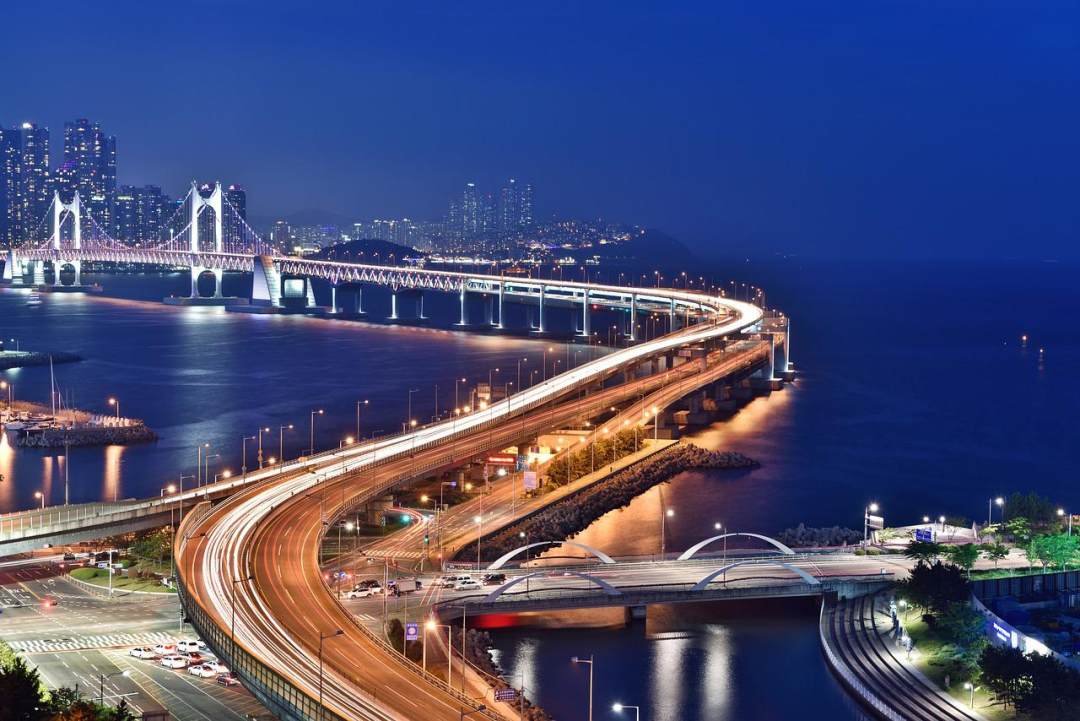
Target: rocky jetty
[
  {"x": 478, "y": 645},
  {"x": 24, "y": 359},
  {"x": 124, "y": 435},
  {"x": 572, "y": 514}
]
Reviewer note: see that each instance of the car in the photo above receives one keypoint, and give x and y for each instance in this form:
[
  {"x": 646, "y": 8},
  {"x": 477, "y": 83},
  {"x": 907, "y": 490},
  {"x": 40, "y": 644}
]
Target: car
[
  {"x": 368, "y": 583},
  {"x": 468, "y": 584},
  {"x": 193, "y": 657},
  {"x": 190, "y": 645},
  {"x": 216, "y": 667},
  {"x": 142, "y": 652},
  {"x": 494, "y": 579},
  {"x": 358, "y": 593},
  {"x": 452, "y": 580},
  {"x": 173, "y": 661},
  {"x": 70, "y": 557},
  {"x": 202, "y": 671},
  {"x": 103, "y": 565},
  {"x": 227, "y": 679},
  {"x": 165, "y": 649}
]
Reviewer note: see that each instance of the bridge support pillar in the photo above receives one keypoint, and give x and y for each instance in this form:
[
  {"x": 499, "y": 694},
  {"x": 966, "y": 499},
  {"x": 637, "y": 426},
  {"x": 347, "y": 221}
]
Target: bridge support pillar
[
  {"x": 502, "y": 318},
  {"x": 219, "y": 276},
  {"x": 633, "y": 318},
  {"x": 420, "y": 306},
  {"x": 586, "y": 330},
  {"x": 77, "y": 265},
  {"x": 310, "y": 292},
  {"x": 393, "y": 305},
  {"x": 10, "y": 264},
  {"x": 464, "y": 310},
  {"x": 359, "y": 301},
  {"x": 39, "y": 272},
  {"x": 489, "y": 311},
  {"x": 196, "y": 271},
  {"x": 333, "y": 297},
  {"x": 540, "y": 321}
]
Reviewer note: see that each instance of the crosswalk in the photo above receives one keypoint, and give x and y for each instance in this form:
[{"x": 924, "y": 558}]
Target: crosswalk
[{"x": 78, "y": 643}]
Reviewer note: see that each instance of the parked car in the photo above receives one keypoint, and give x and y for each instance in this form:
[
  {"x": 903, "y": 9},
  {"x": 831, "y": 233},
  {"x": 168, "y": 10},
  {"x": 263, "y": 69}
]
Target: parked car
[
  {"x": 216, "y": 667},
  {"x": 142, "y": 652},
  {"x": 174, "y": 661},
  {"x": 358, "y": 593},
  {"x": 190, "y": 645},
  {"x": 368, "y": 583},
  {"x": 193, "y": 657},
  {"x": 165, "y": 649},
  {"x": 70, "y": 557},
  {"x": 468, "y": 584},
  {"x": 202, "y": 671},
  {"x": 227, "y": 679},
  {"x": 452, "y": 579},
  {"x": 494, "y": 579}
]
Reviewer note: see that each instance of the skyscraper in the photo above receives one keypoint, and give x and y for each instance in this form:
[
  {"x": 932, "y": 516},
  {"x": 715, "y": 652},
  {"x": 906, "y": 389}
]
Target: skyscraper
[
  {"x": 470, "y": 210},
  {"x": 525, "y": 206},
  {"x": 10, "y": 175},
  {"x": 35, "y": 193},
  {"x": 508, "y": 206},
  {"x": 90, "y": 168},
  {"x": 234, "y": 219}
]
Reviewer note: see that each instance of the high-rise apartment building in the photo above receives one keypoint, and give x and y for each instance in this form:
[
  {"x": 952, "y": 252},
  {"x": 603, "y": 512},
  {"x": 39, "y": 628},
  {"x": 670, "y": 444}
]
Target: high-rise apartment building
[
  {"x": 10, "y": 176},
  {"x": 35, "y": 192},
  {"x": 142, "y": 214},
  {"x": 236, "y": 197},
  {"x": 89, "y": 167}
]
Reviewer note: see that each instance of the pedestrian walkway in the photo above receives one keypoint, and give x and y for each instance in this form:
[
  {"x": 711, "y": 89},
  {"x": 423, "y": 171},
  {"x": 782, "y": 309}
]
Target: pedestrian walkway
[
  {"x": 855, "y": 634},
  {"x": 78, "y": 643}
]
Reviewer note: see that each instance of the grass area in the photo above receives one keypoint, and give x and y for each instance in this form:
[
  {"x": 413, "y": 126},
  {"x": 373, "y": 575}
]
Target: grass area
[
  {"x": 100, "y": 577},
  {"x": 1025, "y": 571},
  {"x": 927, "y": 645}
]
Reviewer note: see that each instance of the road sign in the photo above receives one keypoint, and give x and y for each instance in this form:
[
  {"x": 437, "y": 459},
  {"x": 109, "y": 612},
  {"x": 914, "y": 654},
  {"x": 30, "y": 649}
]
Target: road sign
[
  {"x": 530, "y": 480},
  {"x": 924, "y": 534},
  {"x": 506, "y": 694},
  {"x": 412, "y": 632},
  {"x": 875, "y": 522},
  {"x": 502, "y": 459}
]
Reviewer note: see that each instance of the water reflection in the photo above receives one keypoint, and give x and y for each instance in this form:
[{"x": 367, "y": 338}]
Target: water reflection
[{"x": 110, "y": 487}]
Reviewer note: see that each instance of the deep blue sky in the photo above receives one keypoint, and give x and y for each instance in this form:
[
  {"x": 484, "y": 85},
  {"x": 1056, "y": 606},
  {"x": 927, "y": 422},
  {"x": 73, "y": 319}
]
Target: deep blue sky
[{"x": 930, "y": 128}]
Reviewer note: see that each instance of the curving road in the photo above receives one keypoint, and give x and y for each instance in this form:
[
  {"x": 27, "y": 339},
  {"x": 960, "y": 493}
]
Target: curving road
[{"x": 261, "y": 546}]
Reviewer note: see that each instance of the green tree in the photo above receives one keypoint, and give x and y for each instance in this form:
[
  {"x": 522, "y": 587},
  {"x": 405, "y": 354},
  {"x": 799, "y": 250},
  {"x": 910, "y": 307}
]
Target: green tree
[
  {"x": 1054, "y": 692},
  {"x": 20, "y": 689},
  {"x": 1031, "y": 552},
  {"x": 1019, "y": 529},
  {"x": 1035, "y": 508},
  {"x": 964, "y": 556},
  {"x": 994, "y": 552},
  {"x": 1060, "y": 549},
  {"x": 923, "y": 551},
  {"x": 1005, "y": 672},
  {"x": 963, "y": 625},
  {"x": 934, "y": 587}
]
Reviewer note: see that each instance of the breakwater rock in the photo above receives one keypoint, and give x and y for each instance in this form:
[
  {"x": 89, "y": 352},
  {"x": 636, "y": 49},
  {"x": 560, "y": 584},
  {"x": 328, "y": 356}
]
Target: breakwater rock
[
  {"x": 570, "y": 515},
  {"x": 24, "y": 359},
  {"x": 86, "y": 436},
  {"x": 478, "y": 646}
]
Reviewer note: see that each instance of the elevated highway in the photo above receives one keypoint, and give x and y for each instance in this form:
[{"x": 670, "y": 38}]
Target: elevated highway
[{"x": 248, "y": 567}]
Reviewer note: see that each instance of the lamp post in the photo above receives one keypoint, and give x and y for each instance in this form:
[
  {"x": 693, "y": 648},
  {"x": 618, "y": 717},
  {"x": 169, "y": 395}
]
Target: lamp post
[
  {"x": 970, "y": 688},
  {"x": 311, "y": 435},
  {"x": 409, "y": 419},
  {"x": 9, "y": 387},
  {"x": 115, "y": 402},
  {"x": 198, "y": 464},
  {"x": 456, "y": 381},
  {"x": 206, "y": 466},
  {"x": 260, "y": 456},
  {"x": 358, "y": 404},
  {"x": 479, "y": 519},
  {"x": 323, "y": 637},
  {"x": 1061, "y": 512},
  {"x": 281, "y": 441},
  {"x": 620, "y": 707},
  {"x": 663, "y": 531},
  {"x": 41, "y": 497},
  {"x": 1000, "y": 503},
  {"x": 243, "y": 451},
  {"x": 103, "y": 676},
  {"x": 577, "y": 659},
  {"x": 432, "y": 626},
  {"x": 871, "y": 508}
]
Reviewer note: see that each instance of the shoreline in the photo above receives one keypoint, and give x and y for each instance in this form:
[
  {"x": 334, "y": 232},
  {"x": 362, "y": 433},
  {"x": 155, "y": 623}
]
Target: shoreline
[{"x": 25, "y": 359}]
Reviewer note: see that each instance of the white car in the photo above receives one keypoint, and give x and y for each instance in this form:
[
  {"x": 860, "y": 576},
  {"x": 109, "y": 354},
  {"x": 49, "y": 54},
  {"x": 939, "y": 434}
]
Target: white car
[
  {"x": 165, "y": 649},
  {"x": 142, "y": 652},
  {"x": 174, "y": 661},
  {"x": 358, "y": 593},
  {"x": 468, "y": 584},
  {"x": 451, "y": 581},
  {"x": 202, "y": 671},
  {"x": 190, "y": 645},
  {"x": 215, "y": 666}
]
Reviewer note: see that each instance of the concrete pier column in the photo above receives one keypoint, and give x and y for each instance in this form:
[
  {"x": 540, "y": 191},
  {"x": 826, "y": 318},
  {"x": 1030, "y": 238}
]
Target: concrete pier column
[
  {"x": 420, "y": 307},
  {"x": 502, "y": 319},
  {"x": 196, "y": 271},
  {"x": 11, "y": 264},
  {"x": 540, "y": 322},
  {"x": 787, "y": 346},
  {"x": 393, "y": 305},
  {"x": 772, "y": 357},
  {"x": 464, "y": 314},
  {"x": 359, "y": 301},
  {"x": 77, "y": 265},
  {"x": 586, "y": 331},
  {"x": 57, "y": 264},
  {"x": 219, "y": 277},
  {"x": 39, "y": 272},
  {"x": 671, "y": 314},
  {"x": 489, "y": 310},
  {"x": 633, "y": 317},
  {"x": 333, "y": 297}
]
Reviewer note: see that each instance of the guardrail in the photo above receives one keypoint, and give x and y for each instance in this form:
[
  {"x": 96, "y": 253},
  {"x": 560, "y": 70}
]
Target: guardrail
[{"x": 848, "y": 678}]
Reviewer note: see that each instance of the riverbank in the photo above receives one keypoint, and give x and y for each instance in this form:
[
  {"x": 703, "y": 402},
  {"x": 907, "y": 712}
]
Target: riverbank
[
  {"x": 25, "y": 359},
  {"x": 569, "y": 516}
]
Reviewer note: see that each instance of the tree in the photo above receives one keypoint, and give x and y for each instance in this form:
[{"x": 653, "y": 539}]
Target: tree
[
  {"x": 994, "y": 552},
  {"x": 20, "y": 689},
  {"x": 1019, "y": 528},
  {"x": 1060, "y": 548},
  {"x": 964, "y": 556},
  {"x": 1031, "y": 552},
  {"x": 1035, "y": 508},
  {"x": 1005, "y": 673},
  {"x": 934, "y": 587},
  {"x": 1054, "y": 691},
  {"x": 1042, "y": 547},
  {"x": 923, "y": 551},
  {"x": 963, "y": 625}
]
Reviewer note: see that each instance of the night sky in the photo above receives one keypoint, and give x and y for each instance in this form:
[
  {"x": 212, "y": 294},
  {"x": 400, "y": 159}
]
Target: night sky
[{"x": 888, "y": 129}]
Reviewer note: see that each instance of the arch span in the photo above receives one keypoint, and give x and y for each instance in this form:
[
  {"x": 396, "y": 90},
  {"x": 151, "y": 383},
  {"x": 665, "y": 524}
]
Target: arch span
[
  {"x": 703, "y": 583},
  {"x": 689, "y": 553},
  {"x": 500, "y": 562},
  {"x": 604, "y": 585}
]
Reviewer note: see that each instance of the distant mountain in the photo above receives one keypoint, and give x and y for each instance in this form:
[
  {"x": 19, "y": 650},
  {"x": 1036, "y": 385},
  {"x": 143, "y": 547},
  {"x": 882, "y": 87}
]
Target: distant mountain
[{"x": 367, "y": 250}]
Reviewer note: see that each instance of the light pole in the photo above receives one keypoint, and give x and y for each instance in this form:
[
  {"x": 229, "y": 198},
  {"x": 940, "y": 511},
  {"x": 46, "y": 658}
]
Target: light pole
[
  {"x": 260, "y": 457},
  {"x": 103, "y": 676},
  {"x": 1061, "y": 512},
  {"x": 311, "y": 435},
  {"x": 456, "y": 381},
  {"x": 1000, "y": 502},
  {"x": 206, "y": 466},
  {"x": 432, "y": 626},
  {"x": 970, "y": 688},
  {"x": 243, "y": 451},
  {"x": 9, "y": 387},
  {"x": 518, "y": 386},
  {"x": 358, "y": 404},
  {"x": 663, "y": 531},
  {"x": 115, "y": 402},
  {"x": 619, "y": 707},
  {"x": 41, "y": 497},
  {"x": 577, "y": 659},
  {"x": 409, "y": 419},
  {"x": 323, "y": 637},
  {"x": 281, "y": 441},
  {"x": 480, "y": 531},
  {"x": 198, "y": 464},
  {"x": 872, "y": 508}
]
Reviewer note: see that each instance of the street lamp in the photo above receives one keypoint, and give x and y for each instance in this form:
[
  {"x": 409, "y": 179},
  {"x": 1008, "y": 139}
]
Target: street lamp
[
  {"x": 618, "y": 708},
  {"x": 311, "y": 438},
  {"x": 198, "y": 464},
  {"x": 114, "y": 402},
  {"x": 4, "y": 385},
  {"x": 40, "y": 496},
  {"x": 409, "y": 418},
  {"x": 432, "y": 626},
  {"x": 663, "y": 530},
  {"x": 872, "y": 508},
  {"x": 260, "y": 457},
  {"x": 358, "y": 404},
  {"x": 125, "y": 673},
  {"x": 479, "y": 520},
  {"x": 281, "y": 441},
  {"x": 577, "y": 659},
  {"x": 1000, "y": 503},
  {"x": 323, "y": 637},
  {"x": 1061, "y": 512},
  {"x": 970, "y": 688},
  {"x": 243, "y": 452}
]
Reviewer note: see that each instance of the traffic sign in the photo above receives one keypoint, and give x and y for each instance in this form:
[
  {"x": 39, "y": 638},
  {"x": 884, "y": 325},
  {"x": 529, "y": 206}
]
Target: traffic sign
[
  {"x": 924, "y": 534},
  {"x": 412, "y": 632},
  {"x": 506, "y": 694},
  {"x": 502, "y": 459}
]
